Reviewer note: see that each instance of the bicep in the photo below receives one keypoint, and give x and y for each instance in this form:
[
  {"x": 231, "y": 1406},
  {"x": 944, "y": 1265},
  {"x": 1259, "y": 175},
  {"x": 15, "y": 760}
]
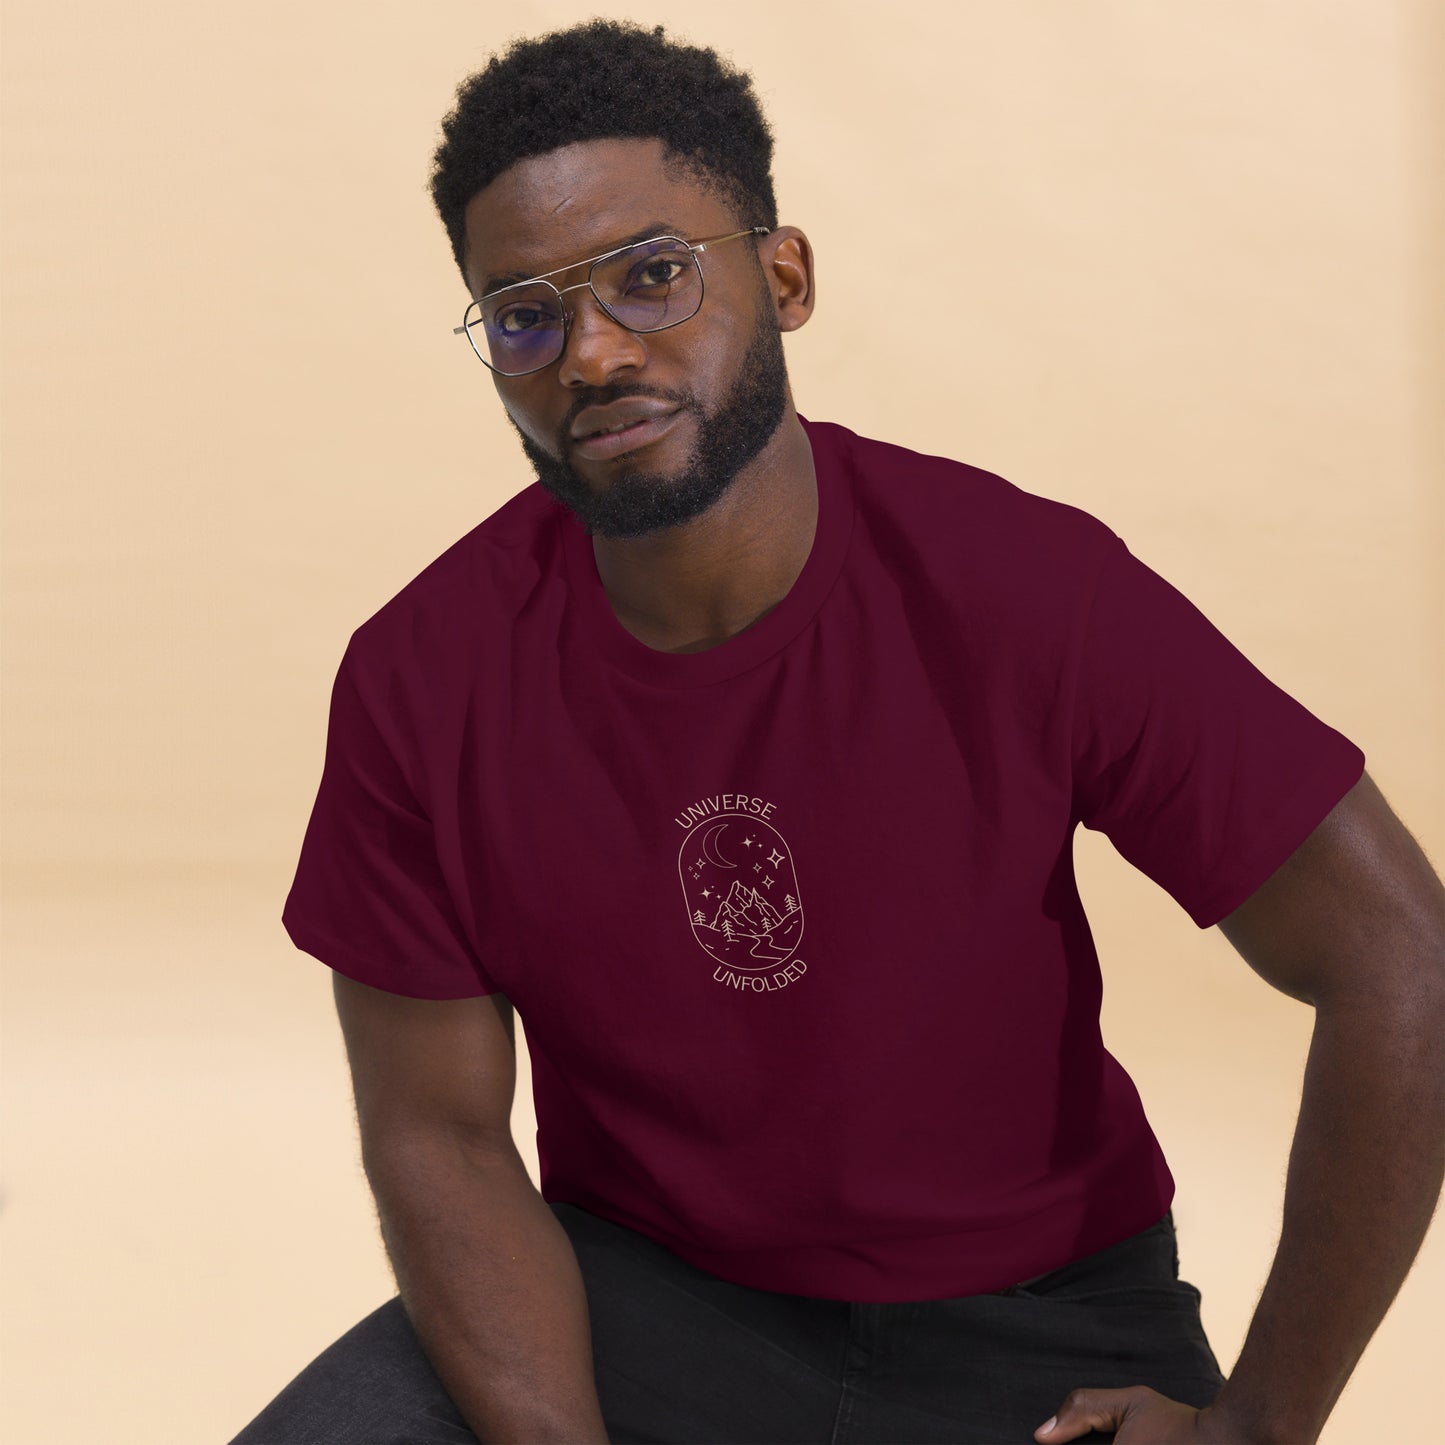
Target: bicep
[
  {"x": 423, "y": 1066},
  {"x": 1356, "y": 911}
]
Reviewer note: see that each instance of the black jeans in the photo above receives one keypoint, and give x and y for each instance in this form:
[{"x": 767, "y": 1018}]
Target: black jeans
[{"x": 682, "y": 1356}]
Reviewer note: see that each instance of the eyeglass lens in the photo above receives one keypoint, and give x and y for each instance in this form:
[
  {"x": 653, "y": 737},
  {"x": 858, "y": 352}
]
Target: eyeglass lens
[{"x": 647, "y": 287}]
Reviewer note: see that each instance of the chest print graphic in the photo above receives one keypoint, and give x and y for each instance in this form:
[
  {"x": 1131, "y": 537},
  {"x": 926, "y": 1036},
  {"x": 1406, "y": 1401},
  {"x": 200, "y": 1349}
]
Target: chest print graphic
[{"x": 741, "y": 893}]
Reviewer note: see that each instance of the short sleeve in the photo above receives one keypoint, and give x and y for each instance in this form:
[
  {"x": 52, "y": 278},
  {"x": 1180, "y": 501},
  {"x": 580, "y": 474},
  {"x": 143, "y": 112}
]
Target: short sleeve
[
  {"x": 369, "y": 898},
  {"x": 1203, "y": 773}
]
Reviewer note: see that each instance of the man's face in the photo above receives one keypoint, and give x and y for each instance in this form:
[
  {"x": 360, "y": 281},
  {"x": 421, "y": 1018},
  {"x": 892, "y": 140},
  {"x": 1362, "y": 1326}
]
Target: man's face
[{"x": 715, "y": 386}]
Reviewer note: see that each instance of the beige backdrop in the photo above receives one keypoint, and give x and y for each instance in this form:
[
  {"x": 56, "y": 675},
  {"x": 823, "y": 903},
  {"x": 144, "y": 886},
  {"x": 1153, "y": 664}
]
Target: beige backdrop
[{"x": 1192, "y": 286}]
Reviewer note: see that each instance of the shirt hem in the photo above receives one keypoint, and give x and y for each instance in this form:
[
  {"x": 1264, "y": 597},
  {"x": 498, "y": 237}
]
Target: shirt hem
[
  {"x": 1300, "y": 817},
  {"x": 341, "y": 958},
  {"x": 985, "y": 1260}
]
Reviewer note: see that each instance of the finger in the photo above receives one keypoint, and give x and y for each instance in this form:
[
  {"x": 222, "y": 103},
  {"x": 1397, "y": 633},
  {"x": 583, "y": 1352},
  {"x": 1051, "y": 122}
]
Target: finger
[{"x": 1085, "y": 1410}]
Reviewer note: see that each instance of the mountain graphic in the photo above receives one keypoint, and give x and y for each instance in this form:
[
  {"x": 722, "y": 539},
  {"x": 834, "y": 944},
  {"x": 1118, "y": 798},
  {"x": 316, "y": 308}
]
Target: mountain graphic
[{"x": 748, "y": 911}]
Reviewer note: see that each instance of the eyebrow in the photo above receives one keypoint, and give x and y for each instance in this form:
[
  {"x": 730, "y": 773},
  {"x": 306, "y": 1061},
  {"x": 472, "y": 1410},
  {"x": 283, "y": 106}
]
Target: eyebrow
[{"x": 647, "y": 233}]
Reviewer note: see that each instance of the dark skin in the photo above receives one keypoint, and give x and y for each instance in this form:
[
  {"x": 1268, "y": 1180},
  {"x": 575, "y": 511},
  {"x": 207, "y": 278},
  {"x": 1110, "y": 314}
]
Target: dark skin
[
  {"x": 689, "y": 587},
  {"x": 1353, "y": 924}
]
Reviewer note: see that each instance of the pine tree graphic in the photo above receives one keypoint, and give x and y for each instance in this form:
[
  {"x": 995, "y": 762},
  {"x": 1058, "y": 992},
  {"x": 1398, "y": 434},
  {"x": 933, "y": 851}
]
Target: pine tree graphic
[
  {"x": 790, "y": 903},
  {"x": 699, "y": 916}
]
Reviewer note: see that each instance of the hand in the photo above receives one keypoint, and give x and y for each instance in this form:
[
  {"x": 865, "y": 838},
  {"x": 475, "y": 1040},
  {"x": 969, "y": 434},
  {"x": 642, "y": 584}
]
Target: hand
[{"x": 1139, "y": 1416}]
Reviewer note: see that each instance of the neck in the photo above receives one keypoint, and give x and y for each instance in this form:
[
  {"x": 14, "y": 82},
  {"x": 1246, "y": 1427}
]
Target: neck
[{"x": 689, "y": 588}]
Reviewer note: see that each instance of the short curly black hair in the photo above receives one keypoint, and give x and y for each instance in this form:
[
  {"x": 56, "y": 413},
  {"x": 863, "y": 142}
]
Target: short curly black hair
[{"x": 594, "y": 81}]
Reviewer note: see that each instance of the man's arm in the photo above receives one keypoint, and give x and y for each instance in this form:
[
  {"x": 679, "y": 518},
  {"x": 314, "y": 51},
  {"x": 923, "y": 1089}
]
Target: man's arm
[
  {"x": 1354, "y": 925},
  {"x": 488, "y": 1277}
]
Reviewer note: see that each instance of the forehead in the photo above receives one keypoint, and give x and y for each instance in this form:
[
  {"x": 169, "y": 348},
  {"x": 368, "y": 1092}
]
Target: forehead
[{"x": 574, "y": 202}]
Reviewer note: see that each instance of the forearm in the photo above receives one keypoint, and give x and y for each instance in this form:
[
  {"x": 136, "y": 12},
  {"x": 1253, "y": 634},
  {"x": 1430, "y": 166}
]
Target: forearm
[
  {"x": 491, "y": 1284},
  {"x": 1365, "y": 1171}
]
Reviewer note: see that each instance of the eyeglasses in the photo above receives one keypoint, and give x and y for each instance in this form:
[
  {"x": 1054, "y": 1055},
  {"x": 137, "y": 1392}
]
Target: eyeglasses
[{"x": 648, "y": 286}]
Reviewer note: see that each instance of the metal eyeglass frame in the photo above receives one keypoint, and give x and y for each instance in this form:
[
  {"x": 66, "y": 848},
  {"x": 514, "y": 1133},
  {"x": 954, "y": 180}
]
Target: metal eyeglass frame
[{"x": 592, "y": 262}]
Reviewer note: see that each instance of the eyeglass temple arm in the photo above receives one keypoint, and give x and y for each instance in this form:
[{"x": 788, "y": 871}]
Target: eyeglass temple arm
[{"x": 717, "y": 241}]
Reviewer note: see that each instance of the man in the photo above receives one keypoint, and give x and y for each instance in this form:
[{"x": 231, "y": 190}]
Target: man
[{"x": 749, "y": 774}]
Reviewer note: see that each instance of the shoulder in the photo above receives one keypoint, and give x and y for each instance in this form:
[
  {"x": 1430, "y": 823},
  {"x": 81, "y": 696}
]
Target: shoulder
[
  {"x": 962, "y": 516},
  {"x": 464, "y": 600}
]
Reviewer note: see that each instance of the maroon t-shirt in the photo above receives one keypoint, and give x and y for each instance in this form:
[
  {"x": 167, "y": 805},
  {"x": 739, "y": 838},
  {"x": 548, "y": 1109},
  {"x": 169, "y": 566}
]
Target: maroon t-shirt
[{"x": 791, "y": 923}]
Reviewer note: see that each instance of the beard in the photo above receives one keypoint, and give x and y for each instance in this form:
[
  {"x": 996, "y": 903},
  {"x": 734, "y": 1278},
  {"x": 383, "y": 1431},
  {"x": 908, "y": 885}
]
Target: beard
[{"x": 636, "y": 501}]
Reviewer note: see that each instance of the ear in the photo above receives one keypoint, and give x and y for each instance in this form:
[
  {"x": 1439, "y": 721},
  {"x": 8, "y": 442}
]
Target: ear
[{"x": 787, "y": 259}]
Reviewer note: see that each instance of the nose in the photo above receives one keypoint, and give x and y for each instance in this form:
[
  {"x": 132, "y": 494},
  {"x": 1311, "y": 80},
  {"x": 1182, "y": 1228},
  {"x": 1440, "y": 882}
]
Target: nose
[{"x": 597, "y": 348}]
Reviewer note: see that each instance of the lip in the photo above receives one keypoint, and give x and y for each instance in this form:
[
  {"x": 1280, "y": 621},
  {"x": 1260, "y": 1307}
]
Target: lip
[{"x": 642, "y": 432}]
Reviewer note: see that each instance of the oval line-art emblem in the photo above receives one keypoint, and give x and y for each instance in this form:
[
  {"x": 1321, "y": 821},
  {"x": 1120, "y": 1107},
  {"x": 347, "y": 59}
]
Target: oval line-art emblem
[{"x": 741, "y": 891}]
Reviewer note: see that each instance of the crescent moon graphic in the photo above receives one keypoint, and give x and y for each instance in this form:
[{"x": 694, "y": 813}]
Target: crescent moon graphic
[{"x": 709, "y": 848}]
